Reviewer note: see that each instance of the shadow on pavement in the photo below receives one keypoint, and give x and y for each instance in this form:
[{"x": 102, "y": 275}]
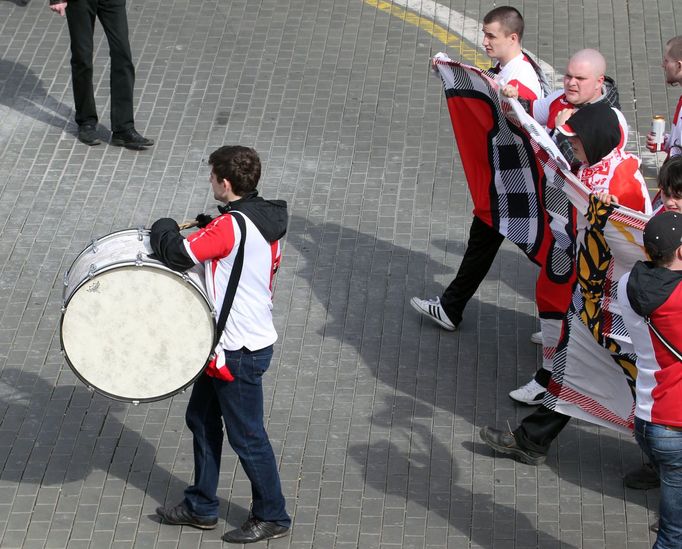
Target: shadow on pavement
[
  {"x": 364, "y": 284},
  {"x": 60, "y": 436},
  {"x": 22, "y": 91},
  {"x": 425, "y": 473}
]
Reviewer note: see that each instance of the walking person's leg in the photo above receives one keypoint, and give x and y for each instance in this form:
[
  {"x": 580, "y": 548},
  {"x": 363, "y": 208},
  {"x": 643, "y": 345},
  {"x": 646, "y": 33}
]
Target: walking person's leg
[
  {"x": 200, "y": 505},
  {"x": 664, "y": 447},
  {"x": 482, "y": 247},
  {"x": 80, "y": 17},
  {"x": 112, "y": 15},
  {"x": 241, "y": 402}
]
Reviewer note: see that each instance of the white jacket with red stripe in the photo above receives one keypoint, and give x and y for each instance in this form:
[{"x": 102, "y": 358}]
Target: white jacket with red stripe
[{"x": 656, "y": 293}]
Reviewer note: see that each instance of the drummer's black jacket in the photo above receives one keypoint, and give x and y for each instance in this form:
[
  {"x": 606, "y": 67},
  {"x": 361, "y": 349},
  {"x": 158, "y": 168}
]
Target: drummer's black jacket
[{"x": 269, "y": 216}]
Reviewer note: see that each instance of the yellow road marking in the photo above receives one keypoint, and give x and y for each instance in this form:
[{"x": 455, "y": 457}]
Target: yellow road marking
[{"x": 468, "y": 54}]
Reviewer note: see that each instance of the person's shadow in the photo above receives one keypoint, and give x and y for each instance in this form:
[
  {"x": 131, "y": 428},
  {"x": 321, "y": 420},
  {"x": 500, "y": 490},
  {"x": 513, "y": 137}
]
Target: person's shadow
[
  {"x": 19, "y": 2},
  {"x": 60, "y": 435},
  {"x": 22, "y": 91},
  {"x": 416, "y": 467},
  {"x": 363, "y": 284}
]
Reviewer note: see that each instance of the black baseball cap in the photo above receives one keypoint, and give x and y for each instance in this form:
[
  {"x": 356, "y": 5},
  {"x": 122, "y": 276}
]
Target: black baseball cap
[{"x": 663, "y": 234}]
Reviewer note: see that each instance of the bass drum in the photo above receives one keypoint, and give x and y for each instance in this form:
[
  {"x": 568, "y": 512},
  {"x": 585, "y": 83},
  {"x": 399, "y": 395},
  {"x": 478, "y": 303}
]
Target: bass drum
[{"x": 131, "y": 328}]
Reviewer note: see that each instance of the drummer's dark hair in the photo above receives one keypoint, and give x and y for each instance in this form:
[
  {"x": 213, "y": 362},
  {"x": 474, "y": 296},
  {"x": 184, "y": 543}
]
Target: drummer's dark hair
[
  {"x": 509, "y": 18},
  {"x": 239, "y": 165}
]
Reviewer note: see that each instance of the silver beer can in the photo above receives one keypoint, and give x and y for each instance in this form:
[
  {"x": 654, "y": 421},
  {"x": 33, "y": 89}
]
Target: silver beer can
[{"x": 658, "y": 131}]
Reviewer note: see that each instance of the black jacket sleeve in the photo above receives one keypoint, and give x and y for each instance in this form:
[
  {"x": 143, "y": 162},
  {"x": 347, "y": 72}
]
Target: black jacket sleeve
[{"x": 168, "y": 245}]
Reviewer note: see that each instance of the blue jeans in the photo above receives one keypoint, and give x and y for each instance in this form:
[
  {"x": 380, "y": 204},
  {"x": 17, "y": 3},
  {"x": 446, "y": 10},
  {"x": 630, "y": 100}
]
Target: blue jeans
[
  {"x": 664, "y": 448},
  {"x": 240, "y": 404}
]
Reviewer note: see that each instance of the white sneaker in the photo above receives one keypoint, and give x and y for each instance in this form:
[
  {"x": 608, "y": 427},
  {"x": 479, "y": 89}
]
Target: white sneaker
[
  {"x": 432, "y": 309},
  {"x": 536, "y": 338},
  {"x": 531, "y": 393}
]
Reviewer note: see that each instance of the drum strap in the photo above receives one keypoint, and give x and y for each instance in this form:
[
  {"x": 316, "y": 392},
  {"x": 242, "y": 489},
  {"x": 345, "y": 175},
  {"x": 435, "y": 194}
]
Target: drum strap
[{"x": 234, "y": 278}]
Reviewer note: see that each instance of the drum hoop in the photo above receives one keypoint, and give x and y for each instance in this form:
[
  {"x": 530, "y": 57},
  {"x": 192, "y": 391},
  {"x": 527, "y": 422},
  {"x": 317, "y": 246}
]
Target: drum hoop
[
  {"x": 88, "y": 248},
  {"x": 145, "y": 262}
]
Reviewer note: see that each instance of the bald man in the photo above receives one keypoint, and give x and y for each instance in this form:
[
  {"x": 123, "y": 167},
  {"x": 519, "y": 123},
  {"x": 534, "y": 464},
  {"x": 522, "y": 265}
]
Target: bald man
[{"x": 585, "y": 83}]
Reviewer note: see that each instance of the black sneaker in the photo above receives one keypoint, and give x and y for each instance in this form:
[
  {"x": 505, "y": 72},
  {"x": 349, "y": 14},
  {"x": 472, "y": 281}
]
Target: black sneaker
[
  {"x": 130, "y": 139},
  {"x": 87, "y": 133},
  {"x": 505, "y": 443},
  {"x": 254, "y": 530},
  {"x": 181, "y": 516},
  {"x": 644, "y": 478}
]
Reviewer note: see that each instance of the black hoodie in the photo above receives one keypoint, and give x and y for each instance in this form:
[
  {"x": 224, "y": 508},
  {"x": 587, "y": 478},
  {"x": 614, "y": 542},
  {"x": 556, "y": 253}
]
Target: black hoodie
[
  {"x": 649, "y": 287},
  {"x": 269, "y": 216}
]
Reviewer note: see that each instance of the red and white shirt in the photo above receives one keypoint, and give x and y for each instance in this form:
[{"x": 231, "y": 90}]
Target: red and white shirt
[
  {"x": 250, "y": 321},
  {"x": 673, "y": 143},
  {"x": 659, "y": 373},
  {"x": 520, "y": 72}
]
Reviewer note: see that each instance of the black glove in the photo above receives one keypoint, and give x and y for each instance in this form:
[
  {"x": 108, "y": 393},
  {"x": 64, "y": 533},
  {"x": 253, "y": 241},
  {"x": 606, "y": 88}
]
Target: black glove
[{"x": 203, "y": 220}]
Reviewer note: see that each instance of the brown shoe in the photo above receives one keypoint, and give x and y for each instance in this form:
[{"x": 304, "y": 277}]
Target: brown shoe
[{"x": 505, "y": 443}]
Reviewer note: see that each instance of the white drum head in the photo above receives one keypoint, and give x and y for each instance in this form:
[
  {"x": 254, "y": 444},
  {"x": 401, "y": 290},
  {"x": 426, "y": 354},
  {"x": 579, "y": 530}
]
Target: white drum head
[{"x": 137, "y": 333}]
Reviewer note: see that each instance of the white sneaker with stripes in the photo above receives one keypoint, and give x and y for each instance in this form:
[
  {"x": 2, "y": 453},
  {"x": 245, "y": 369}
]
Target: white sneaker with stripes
[
  {"x": 432, "y": 309},
  {"x": 531, "y": 393},
  {"x": 536, "y": 338}
]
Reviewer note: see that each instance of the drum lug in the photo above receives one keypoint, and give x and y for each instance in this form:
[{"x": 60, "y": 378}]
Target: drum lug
[
  {"x": 63, "y": 308},
  {"x": 136, "y": 402},
  {"x": 140, "y": 233},
  {"x": 138, "y": 259},
  {"x": 94, "y": 247},
  {"x": 66, "y": 278},
  {"x": 185, "y": 276},
  {"x": 92, "y": 270}
]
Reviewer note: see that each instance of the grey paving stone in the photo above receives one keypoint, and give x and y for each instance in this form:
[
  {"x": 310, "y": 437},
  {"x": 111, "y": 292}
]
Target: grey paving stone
[{"x": 373, "y": 413}]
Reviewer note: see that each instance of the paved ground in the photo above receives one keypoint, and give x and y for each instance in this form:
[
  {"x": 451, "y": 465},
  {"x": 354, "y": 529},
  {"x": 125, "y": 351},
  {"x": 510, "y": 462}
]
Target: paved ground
[{"x": 374, "y": 415}]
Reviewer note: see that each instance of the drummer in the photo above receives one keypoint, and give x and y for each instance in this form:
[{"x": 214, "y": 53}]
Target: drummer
[{"x": 230, "y": 388}]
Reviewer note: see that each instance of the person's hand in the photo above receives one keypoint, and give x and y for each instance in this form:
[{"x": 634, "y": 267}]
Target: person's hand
[
  {"x": 512, "y": 92},
  {"x": 59, "y": 8},
  {"x": 607, "y": 199},
  {"x": 203, "y": 220},
  {"x": 562, "y": 116},
  {"x": 652, "y": 145}
]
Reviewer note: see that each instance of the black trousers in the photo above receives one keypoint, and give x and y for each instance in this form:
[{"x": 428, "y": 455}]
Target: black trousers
[
  {"x": 538, "y": 430},
  {"x": 80, "y": 15},
  {"x": 484, "y": 241}
]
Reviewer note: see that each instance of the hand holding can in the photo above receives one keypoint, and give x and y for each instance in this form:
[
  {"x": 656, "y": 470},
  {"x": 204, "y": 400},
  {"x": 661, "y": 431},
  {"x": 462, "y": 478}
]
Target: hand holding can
[{"x": 656, "y": 137}]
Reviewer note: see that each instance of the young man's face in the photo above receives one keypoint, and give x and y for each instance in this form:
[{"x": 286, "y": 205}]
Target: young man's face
[
  {"x": 578, "y": 149},
  {"x": 218, "y": 187},
  {"x": 581, "y": 84},
  {"x": 671, "y": 203},
  {"x": 497, "y": 43},
  {"x": 672, "y": 68}
]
